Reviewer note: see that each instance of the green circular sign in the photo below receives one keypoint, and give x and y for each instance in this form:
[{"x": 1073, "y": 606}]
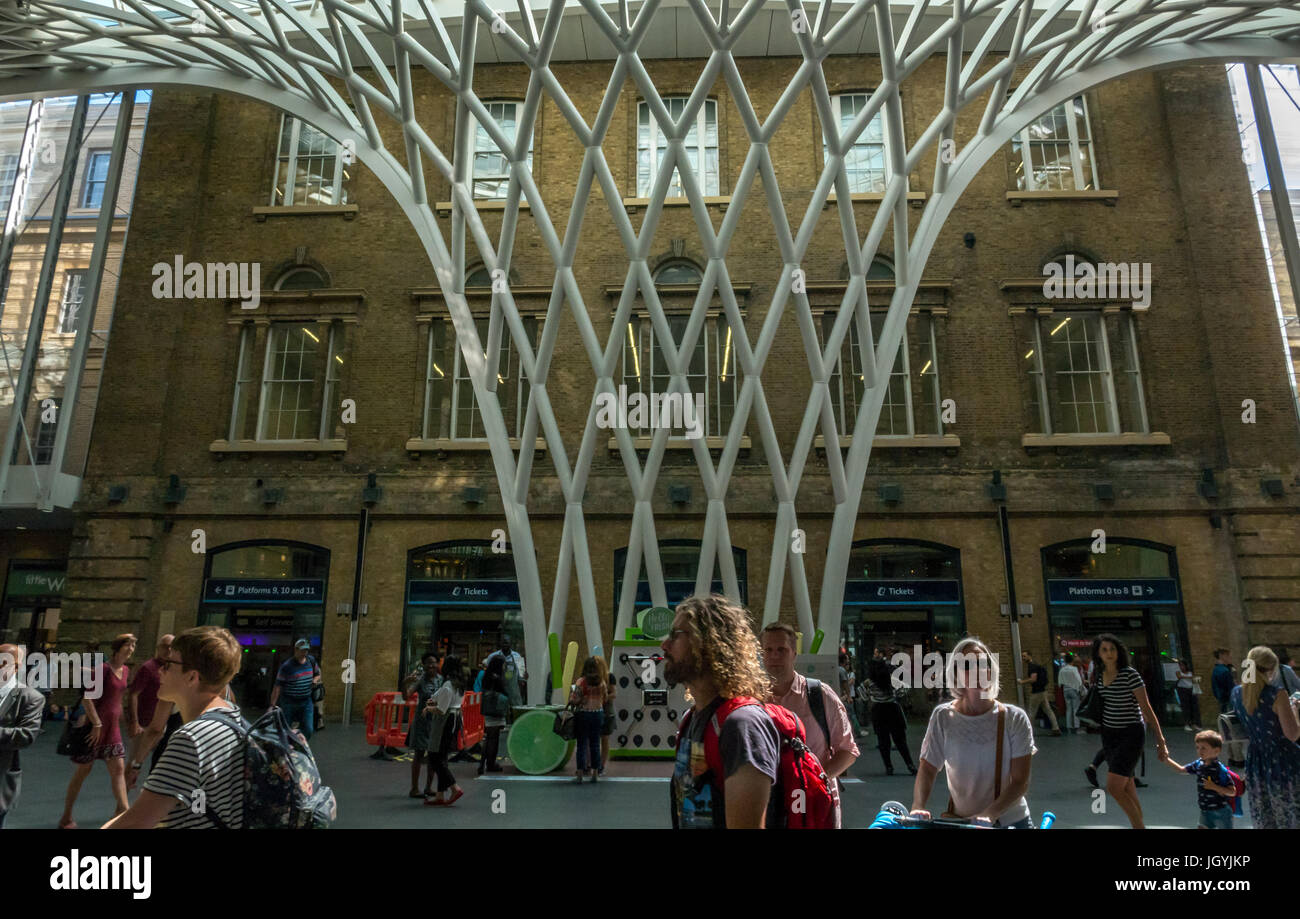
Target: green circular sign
[{"x": 656, "y": 621}]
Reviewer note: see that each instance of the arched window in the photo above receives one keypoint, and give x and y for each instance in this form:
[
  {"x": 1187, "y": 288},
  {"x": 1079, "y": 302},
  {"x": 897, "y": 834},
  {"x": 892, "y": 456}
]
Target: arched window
[
  {"x": 680, "y": 560},
  {"x": 880, "y": 270},
  {"x": 679, "y": 272},
  {"x": 301, "y": 279},
  {"x": 479, "y": 277}
]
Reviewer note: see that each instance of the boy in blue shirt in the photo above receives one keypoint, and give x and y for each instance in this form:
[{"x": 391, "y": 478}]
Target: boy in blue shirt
[{"x": 1215, "y": 789}]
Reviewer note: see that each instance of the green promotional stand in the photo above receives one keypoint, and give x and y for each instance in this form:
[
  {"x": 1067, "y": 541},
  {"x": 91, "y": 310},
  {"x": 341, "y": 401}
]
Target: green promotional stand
[{"x": 532, "y": 743}]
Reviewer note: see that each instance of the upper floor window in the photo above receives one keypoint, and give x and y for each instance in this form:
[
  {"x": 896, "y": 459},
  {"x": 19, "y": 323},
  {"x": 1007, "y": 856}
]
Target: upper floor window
[
  {"x": 8, "y": 175},
  {"x": 299, "y": 373},
  {"x": 678, "y": 273},
  {"x": 1055, "y": 151},
  {"x": 74, "y": 290},
  {"x": 701, "y": 144},
  {"x": 491, "y": 165},
  {"x": 301, "y": 279},
  {"x": 451, "y": 410},
  {"x": 1083, "y": 371},
  {"x": 309, "y": 169},
  {"x": 43, "y": 448},
  {"x": 92, "y": 189},
  {"x": 912, "y": 404},
  {"x": 865, "y": 162}
]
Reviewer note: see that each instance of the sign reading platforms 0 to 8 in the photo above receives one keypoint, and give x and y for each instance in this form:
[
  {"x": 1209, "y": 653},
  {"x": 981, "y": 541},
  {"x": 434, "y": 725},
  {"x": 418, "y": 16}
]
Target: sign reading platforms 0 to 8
[{"x": 1099, "y": 592}]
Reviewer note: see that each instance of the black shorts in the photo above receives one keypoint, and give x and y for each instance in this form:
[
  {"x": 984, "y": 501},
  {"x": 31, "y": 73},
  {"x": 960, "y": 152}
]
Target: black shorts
[{"x": 1123, "y": 748}]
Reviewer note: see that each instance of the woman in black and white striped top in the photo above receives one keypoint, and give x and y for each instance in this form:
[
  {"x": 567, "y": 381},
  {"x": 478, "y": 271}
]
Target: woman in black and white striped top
[{"x": 1126, "y": 714}]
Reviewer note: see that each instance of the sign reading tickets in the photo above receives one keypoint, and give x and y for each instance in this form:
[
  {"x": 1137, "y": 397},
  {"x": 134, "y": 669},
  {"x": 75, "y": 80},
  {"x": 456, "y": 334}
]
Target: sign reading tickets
[
  {"x": 656, "y": 621},
  {"x": 264, "y": 590},
  {"x": 462, "y": 593},
  {"x": 902, "y": 592}
]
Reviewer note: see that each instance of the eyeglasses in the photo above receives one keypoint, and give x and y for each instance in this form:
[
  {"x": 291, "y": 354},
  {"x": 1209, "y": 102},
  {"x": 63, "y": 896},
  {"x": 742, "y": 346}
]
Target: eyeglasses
[
  {"x": 167, "y": 662},
  {"x": 672, "y": 636}
]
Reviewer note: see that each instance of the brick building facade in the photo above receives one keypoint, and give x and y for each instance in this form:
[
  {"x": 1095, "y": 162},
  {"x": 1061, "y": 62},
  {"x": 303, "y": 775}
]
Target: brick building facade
[{"x": 1171, "y": 192}]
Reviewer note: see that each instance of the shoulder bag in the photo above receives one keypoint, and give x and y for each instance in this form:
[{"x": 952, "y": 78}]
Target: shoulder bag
[{"x": 1090, "y": 713}]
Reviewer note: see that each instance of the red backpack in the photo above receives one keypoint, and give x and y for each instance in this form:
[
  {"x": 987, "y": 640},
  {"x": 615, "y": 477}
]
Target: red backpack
[
  {"x": 1239, "y": 784},
  {"x": 798, "y": 770}
]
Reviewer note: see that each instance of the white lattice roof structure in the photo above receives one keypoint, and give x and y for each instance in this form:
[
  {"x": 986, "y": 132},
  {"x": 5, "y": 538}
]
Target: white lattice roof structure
[{"x": 286, "y": 54}]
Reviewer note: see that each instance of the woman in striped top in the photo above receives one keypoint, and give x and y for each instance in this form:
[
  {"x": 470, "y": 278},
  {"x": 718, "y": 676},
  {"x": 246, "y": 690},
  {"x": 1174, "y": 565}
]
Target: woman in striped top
[{"x": 1126, "y": 713}]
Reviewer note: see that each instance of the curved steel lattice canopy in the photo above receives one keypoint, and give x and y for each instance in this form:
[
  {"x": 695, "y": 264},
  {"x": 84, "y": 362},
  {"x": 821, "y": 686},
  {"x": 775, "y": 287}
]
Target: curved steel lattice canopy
[{"x": 294, "y": 54}]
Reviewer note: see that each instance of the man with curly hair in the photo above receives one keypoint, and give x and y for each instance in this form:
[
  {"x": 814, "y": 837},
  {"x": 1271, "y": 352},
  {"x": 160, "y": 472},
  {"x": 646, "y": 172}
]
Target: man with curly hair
[{"x": 712, "y": 650}]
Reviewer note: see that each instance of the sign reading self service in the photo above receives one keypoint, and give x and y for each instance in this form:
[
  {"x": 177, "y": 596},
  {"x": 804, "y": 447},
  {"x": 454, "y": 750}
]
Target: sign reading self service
[
  {"x": 1103, "y": 592},
  {"x": 902, "y": 592},
  {"x": 264, "y": 590}
]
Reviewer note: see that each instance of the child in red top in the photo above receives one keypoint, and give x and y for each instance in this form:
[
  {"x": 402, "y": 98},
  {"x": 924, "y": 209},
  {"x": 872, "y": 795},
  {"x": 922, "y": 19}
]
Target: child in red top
[{"x": 589, "y": 695}]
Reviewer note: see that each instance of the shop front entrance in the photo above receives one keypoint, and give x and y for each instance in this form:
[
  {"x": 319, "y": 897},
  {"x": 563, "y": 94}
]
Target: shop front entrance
[
  {"x": 903, "y": 597},
  {"x": 33, "y": 596},
  {"x": 1131, "y": 591},
  {"x": 269, "y": 595}
]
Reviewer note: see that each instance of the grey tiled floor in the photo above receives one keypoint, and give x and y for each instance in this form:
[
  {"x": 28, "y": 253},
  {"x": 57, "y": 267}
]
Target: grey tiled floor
[{"x": 373, "y": 793}]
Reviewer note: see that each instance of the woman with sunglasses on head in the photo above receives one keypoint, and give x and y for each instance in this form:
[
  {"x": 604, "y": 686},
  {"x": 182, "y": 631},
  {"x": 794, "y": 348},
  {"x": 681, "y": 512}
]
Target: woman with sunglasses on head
[
  {"x": 1126, "y": 716},
  {"x": 985, "y": 745}
]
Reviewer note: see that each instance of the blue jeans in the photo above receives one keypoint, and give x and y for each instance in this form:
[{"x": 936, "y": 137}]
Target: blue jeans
[
  {"x": 1220, "y": 818},
  {"x": 304, "y": 712},
  {"x": 589, "y": 725},
  {"x": 1071, "y": 709}
]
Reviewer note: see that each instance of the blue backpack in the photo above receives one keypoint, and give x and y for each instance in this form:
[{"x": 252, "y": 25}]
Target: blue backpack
[{"x": 282, "y": 786}]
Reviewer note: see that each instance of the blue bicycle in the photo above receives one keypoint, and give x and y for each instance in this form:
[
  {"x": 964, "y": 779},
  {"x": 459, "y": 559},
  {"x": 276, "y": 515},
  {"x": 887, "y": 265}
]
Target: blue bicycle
[{"x": 894, "y": 816}]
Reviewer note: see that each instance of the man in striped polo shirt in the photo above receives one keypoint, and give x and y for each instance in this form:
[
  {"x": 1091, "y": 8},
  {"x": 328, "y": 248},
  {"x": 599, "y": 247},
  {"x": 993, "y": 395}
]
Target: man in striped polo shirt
[{"x": 293, "y": 685}]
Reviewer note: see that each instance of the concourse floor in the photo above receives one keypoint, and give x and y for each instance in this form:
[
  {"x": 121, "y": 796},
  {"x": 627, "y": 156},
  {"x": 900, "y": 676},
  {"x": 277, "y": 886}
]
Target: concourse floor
[{"x": 373, "y": 794}]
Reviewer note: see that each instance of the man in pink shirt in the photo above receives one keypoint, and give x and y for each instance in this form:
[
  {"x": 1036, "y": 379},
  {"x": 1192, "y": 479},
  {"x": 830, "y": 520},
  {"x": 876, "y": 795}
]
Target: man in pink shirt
[{"x": 791, "y": 689}]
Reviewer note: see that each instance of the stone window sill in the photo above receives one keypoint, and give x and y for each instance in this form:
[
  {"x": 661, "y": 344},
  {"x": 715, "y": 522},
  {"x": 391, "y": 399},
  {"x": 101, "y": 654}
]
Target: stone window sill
[
  {"x": 346, "y": 211},
  {"x": 914, "y": 198},
  {"x": 483, "y": 204},
  {"x": 278, "y": 446},
  {"x": 446, "y": 445},
  {"x": 719, "y": 201},
  {"x": 1154, "y": 439},
  {"x": 920, "y": 441},
  {"x": 1106, "y": 196},
  {"x": 681, "y": 443}
]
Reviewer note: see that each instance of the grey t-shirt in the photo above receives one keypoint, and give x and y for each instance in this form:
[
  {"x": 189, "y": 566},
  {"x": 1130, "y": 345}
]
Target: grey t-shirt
[{"x": 747, "y": 736}]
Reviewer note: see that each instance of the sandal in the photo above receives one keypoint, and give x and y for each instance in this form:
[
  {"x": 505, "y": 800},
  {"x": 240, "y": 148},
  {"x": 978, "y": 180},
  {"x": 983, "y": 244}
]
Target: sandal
[
  {"x": 454, "y": 798},
  {"x": 416, "y": 793},
  {"x": 434, "y": 802}
]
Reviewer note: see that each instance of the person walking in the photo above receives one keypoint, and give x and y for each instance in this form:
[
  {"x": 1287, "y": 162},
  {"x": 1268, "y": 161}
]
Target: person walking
[
  {"x": 1214, "y": 787},
  {"x": 887, "y": 718},
  {"x": 1273, "y": 758},
  {"x": 1188, "y": 688},
  {"x": 199, "y": 779},
  {"x": 142, "y": 703},
  {"x": 985, "y": 745},
  {"x": 827, "y": 728},
  {"x": 444, "y": 705},
  {"x": 496, "y": 706},
  {"x": 422, "y": 686},
  {"x": 1126, "y": 717},
  {"x": 105, "y": 741},
  {"x": 293, "y": 685},
  {"x": 711, "y": 649},
  {"x": 847, "y": 681},
  {"x": 1036, "y": 677},
  {"x": 1286, "y": 675},
  {"x": 20, "y": 722},
  {"x": 1222, "y": 680},
  {"x": 589, "y": 695},
  {"x": 1071, "y": 682}
]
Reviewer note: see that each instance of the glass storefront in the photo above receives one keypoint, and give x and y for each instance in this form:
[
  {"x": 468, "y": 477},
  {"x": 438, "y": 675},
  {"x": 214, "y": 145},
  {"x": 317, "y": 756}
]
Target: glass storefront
[
  {"x": 1131, "y": 590},
  {"x": 901, "y": 596},
  {"x": 461, "y": 597},
  {"x": 680, "y": 560},
  {"x": 33, "y": 597},
  {"x": 269, "y": 594}
]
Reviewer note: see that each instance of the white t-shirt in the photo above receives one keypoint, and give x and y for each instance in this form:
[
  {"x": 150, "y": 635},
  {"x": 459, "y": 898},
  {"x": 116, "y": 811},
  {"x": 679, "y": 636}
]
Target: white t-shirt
[
  {"x": 446, "y": 698},
  {"x": 1069, "y": 677},
  {"x": 967, "y": 746}
]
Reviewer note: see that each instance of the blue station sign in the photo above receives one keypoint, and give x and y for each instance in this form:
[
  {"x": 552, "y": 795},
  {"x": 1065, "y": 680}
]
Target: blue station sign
[
  {"x": 903, "y": 592},
  {"x": 235, "y": 591},
  {"x": 462, "y": 593},
  {"x": 1112, "y": 592}
]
